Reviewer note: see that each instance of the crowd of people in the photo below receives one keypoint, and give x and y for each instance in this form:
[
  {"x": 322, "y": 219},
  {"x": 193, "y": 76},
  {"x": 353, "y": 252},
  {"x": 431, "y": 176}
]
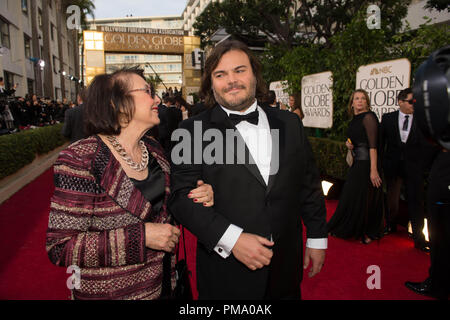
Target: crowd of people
[
  {"x": 119, "y": 165},
  {"x": 119, "y": 111},
  {"x": 22, "y": 113}
]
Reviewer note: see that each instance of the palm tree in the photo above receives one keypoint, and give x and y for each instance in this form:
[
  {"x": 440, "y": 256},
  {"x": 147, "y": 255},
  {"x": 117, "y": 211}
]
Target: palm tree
[
  {"x": 87, "y": 8},
  {"x": 154, "y": 80},
  {"x": 48, "y": 73},
  {"x": 36, "y": 47}
]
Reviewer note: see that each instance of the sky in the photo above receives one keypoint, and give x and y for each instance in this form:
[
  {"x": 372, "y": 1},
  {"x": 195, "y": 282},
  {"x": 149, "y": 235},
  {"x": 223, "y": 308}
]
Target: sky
[{"x": 138, "y": 8}]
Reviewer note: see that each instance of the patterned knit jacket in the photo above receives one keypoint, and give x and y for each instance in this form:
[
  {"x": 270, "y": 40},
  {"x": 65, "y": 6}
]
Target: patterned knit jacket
[{"x": 96, "y": 222}]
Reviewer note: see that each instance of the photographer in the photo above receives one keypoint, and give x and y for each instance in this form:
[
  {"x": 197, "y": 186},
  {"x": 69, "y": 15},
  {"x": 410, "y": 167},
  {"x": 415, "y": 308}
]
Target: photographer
[
  {"x": 4, "y": 92},
  {"x": 6, "y": 116},
  {"x": 431, "y": 90}
]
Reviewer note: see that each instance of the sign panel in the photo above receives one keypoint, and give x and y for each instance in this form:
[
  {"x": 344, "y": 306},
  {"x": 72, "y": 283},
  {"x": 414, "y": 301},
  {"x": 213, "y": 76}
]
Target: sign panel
[
  {"x": 317, "y": 100},
  {"x": 383, "y": 81},
  {"x": 280, "y": 88},
  {"x": 178, "y": 32},
  {"x": 142, "y": 42},
  {"x": 198, "y": 59}
]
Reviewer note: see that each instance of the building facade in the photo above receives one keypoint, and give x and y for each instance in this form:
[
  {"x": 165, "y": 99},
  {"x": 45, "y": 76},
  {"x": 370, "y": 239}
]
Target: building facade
[
  {"x": 167, "y": 66},
  {"x": 193, "y": 9},
  {"x": 38, "y": 52}
]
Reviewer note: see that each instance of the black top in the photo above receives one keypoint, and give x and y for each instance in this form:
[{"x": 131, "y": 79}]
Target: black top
[
  {"x": 153, "y": 186},
  {"x": 363, "y": 129}
]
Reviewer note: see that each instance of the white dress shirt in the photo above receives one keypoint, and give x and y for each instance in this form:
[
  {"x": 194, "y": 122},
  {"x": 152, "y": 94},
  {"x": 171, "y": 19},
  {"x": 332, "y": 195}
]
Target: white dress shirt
[
  {"x": 401, "y": 119},
  {"x": 259, "y": 142}
]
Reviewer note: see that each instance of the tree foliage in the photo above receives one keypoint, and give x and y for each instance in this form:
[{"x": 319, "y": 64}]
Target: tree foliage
[
  {"x": 353, "y": 47},
  {"x": 154, "y": 80},
  {"x": 323, "y": 36},
  {"x": 290, "y": 22},
  {"x": 439, "y": 5},
  {"x": 87, "y": 8}
]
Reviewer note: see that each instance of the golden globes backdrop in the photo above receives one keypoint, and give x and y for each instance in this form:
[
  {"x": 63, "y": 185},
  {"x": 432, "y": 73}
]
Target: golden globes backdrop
[
  {"x": 129, "y": 39},
  {"x": 383, "y": 81},
  {"x": 109, "y": 39},
  {"x": 317, "y": 100}
]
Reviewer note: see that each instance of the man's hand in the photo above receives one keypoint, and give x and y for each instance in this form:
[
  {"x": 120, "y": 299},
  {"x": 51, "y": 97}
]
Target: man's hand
[
  {"x": 317, "y": 256},
  {"x": 251, "y": 250}
]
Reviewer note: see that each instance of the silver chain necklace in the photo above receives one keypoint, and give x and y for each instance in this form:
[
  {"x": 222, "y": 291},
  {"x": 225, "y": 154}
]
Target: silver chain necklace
[{"x": 124, "y": 155}]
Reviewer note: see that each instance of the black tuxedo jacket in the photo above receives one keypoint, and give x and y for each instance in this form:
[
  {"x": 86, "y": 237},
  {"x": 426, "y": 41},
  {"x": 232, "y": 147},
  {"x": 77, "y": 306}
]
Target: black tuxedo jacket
[
  {"x": 241, "y": 197},
  {"x": 73, "y": 127},
  {"x": 414, "y": 152},
  {"x": 170, "y": 118}
]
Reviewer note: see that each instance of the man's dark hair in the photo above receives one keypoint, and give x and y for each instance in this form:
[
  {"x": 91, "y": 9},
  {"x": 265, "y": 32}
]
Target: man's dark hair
[
  {"x": 271, "y": 97},
  {"x": 168, "y": 99},
  {"x": 109, "y": 103},
  {"x": 402, "y": 95},
  {"x": 213, "y": 60}
]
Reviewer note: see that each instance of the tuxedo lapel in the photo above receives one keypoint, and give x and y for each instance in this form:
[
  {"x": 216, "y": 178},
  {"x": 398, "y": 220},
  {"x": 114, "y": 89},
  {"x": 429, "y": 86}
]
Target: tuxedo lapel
[
  {"x": 220, "y": 118},
  {"x": 397, "y": 128},
  {"x": 412, "y": 131},
  {"x": 278, "y": 145}
]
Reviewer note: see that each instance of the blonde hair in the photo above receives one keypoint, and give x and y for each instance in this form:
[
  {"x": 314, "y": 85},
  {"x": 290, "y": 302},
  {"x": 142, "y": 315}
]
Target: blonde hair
[{"x": 350, "y": 102}]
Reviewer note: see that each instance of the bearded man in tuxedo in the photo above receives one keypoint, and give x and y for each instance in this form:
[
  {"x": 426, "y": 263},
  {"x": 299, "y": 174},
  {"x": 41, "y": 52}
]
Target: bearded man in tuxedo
[{"x": 250, "y": 243}]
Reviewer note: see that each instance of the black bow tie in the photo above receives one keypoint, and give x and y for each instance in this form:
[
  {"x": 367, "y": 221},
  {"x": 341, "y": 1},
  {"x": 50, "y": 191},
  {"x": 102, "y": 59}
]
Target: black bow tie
[{"x": 252, "y": 117}]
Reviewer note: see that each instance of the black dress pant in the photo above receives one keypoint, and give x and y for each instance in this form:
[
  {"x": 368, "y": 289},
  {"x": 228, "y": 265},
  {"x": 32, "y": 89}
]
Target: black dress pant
[{"x": 412, "y": 179}]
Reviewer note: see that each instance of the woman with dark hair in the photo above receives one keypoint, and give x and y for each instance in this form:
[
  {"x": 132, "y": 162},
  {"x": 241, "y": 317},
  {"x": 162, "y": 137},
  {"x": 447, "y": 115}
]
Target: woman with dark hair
[
  {"x": 360, "y": 210},
  {"x": 295, "y": 104},
  {"x": 109, "y": 212},
  {"x": 184, "y": 106}
]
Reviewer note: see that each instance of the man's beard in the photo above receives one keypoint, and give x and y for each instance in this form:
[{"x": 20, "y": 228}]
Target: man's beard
[{"x": 237, "y": 104}]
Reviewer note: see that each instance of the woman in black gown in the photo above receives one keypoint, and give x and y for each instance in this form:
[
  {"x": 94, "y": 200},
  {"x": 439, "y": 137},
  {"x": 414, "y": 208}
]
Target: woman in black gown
[{"x": 359, "y": 213}]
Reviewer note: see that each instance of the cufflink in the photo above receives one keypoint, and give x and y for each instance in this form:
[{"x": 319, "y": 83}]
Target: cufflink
[{"x": 220, "y": 250}]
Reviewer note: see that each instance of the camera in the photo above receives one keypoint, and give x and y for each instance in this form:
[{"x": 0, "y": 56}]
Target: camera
[{"x": 432, "y": 94}]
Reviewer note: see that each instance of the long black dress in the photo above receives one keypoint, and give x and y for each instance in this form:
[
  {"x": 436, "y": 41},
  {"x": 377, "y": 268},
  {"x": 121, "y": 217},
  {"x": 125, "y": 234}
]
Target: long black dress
[{"x": 360, "y": 209}]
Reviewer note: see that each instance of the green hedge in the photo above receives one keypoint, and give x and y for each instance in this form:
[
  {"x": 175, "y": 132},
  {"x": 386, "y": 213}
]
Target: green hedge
[
  {"x": 330, "y": 157},
  {"x": 19, "y": 149}
]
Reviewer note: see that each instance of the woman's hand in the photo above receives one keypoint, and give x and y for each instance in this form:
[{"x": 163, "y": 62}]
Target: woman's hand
[
  {"x": 349, "y": 144},
  {"x": 203, "y": 193},
  {"x": 161, "y": 236},
  {"x": 375, "y": 178}
]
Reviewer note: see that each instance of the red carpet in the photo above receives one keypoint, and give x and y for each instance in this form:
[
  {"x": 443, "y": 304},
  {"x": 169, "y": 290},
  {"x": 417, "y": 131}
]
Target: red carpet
[
  {"x": 25, "y": 270},
  {"x": 26, "y": 273}
]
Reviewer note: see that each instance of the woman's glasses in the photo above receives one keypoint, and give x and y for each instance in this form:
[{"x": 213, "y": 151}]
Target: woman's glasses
[{"x": 149, "y": 89}]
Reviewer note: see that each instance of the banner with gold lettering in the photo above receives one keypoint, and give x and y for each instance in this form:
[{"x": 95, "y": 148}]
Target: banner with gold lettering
[
  {"x": 383, "y": 81},
  {"x": 143, "y": 42},
  {"x": 317, "y": 100}
]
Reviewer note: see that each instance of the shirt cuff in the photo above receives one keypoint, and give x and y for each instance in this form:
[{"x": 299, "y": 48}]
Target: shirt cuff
[
  {"x": 228, "y": 240},
  {"x": 319, "y": 243}
]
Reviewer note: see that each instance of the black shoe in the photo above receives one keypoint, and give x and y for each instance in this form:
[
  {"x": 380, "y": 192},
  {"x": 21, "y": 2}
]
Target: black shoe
[
  {"x": 422, "y": 247},
  {"x": 420, "y": 287},
  {"x": 390, "y": 229},
  {"x": 366, "y": 240}
]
